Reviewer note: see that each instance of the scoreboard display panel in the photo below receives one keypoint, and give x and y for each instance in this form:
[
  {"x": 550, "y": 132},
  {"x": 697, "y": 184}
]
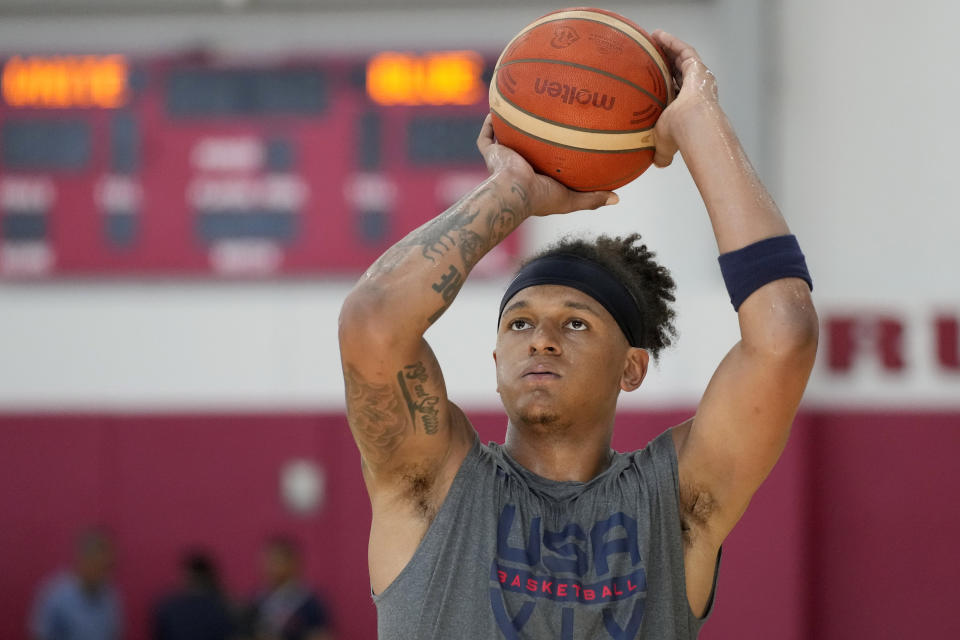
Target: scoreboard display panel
[{"x": 187, "y": 165}]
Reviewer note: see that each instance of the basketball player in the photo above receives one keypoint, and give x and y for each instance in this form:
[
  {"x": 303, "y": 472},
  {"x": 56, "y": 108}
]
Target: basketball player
[{"x": 552, "y": 534}]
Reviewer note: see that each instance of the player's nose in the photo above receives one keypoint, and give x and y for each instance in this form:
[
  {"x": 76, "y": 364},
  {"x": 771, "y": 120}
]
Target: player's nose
[{"x": 543, "y": 339}]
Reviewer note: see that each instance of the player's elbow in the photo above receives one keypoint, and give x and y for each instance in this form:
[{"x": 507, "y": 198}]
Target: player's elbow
[
  {"x": 801, "y": 329},
  {"x": 362, "y": 318},
  {"x": 789, "y": 329}
]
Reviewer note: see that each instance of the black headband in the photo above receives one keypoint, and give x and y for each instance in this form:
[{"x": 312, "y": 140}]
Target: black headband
[{"x": 590, "y": 278}]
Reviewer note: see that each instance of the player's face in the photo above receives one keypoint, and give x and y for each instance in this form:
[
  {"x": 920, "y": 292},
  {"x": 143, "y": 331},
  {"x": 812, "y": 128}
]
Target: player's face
[{"x": 560, "y": 357}]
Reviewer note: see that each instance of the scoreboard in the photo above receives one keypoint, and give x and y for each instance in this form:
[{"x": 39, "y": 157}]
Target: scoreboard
[{"x": 195, "y": 166}]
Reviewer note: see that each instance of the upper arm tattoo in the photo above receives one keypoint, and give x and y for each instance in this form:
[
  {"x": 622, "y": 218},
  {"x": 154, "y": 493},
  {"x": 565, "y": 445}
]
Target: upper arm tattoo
[
  {"x": 421, "y": 403},
  {"x": 376, "y": 415}
]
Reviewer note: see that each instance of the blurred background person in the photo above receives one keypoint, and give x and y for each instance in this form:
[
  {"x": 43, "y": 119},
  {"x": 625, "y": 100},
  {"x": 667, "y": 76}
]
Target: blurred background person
[
  {"x": 199, "y": 610},
  {"x": 80, "y": 603},
  {"x": 286, "y": 609}
]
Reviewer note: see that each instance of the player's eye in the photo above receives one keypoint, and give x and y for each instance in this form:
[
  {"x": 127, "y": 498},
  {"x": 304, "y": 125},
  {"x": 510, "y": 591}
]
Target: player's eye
[
  {"x": 577, "y": 325},
  {"x": 519, "y": 325}
]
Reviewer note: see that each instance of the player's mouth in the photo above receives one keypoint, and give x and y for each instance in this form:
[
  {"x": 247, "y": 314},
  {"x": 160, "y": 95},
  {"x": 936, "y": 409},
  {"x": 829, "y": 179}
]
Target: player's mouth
[{"x": 540, "y": 372}]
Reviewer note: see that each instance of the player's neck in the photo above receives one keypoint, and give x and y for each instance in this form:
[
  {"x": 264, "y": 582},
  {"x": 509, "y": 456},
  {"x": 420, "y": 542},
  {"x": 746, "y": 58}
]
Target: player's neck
[{"x": 571, "y": 455}]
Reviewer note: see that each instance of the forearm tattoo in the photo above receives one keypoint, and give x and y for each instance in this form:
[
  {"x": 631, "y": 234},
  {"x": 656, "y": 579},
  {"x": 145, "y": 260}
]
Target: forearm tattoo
[
  {"x": 439, "y": 236},
  {"x": 504, "y": 220},
  {"x": 448, "y": 287},
  {"x": 474, "y": 225},
  {"x": 375, "y": 413}
]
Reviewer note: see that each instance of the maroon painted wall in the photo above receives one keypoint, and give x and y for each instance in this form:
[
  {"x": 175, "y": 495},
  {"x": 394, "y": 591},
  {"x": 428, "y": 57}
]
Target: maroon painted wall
[
  {"x": 884, "y": 525},
  {"x": 853, "y": 535}
]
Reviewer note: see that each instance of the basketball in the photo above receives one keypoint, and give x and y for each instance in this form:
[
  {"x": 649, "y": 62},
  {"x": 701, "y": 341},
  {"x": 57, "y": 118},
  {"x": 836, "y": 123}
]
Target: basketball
[{"x": 577, "y": 93}]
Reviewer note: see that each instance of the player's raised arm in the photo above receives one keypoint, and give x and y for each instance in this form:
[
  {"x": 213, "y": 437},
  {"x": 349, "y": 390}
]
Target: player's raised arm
[
  {"x": 411, "y": 438},
  {"x": 743, "y": 420},
  {"x": 397, "y": 405}
]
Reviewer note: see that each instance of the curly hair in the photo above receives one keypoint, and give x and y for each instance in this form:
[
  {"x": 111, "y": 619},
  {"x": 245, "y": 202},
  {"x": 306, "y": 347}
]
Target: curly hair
[{"x": 650, "y": 283}]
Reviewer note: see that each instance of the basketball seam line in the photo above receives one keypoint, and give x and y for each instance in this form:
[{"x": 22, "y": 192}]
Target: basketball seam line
[
  {"x": 664, "y": 68},
  {"x": 659, "y": 102},
  {"x": 564, "y": 124},
  {"x": 554, "y": 143}
]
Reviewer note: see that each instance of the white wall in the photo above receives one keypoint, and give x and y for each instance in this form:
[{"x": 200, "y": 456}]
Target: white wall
[
  {"x": 845, "y": 108},
  {"x": 869, "y": 144},
  {"x": 867, "y": 169}
]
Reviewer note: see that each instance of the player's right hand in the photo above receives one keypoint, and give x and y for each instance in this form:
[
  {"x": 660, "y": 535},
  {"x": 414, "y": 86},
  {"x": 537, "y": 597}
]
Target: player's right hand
[{"x": 543, "y": 195}]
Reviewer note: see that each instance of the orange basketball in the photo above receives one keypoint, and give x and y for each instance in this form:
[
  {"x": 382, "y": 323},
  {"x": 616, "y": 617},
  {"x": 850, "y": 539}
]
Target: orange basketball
[{"x": 577, "y": 93}]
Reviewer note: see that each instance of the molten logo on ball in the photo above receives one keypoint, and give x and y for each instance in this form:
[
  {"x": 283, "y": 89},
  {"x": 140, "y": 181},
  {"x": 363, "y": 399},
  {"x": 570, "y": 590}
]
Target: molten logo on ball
[
  {"x": 571, "y": 95},
  {"x": 563, "y": 37}
]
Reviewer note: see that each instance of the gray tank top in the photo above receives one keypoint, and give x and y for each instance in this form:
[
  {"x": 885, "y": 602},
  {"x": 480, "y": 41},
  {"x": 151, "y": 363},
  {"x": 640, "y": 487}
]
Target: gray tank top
[{"x": 513, "y": 555}]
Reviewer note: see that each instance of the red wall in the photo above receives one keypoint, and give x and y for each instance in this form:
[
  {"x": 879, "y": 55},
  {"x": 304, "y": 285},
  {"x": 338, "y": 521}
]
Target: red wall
[
  {"x": 853, "y": 535},
  {"x": 884, "y": 526}
]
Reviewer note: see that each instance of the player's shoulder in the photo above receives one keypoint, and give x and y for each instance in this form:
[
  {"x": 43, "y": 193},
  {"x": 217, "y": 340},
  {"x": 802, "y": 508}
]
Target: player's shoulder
[
  {"x": 667, "y": 443},
  {"x": 657, "y": 465},
  {"x": 678, "y": 433}
]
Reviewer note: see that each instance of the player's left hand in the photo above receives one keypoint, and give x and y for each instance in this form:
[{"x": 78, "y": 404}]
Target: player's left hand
[{"x": 698, "y": 94}]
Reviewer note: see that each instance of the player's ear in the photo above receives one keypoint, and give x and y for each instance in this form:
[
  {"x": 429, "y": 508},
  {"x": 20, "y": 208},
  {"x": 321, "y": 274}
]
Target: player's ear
[
  {"x": 634, "y": 368},
  {"x": 495, "y": 364}
]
